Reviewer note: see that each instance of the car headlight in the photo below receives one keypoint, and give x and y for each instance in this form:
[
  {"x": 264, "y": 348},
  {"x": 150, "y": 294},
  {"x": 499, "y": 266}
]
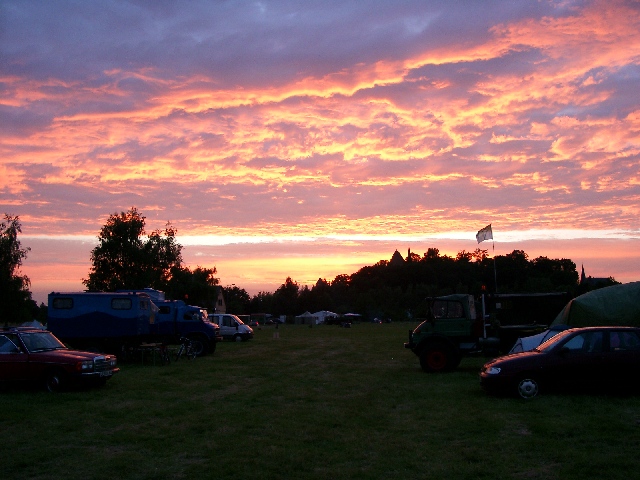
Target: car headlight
[
  {"x": 493, "y": 370},
  {"x": 84, "y": 366}
]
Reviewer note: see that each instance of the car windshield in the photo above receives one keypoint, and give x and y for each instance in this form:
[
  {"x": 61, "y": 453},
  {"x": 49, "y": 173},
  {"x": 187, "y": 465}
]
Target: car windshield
[
  {"x": 553, "y": 341},
  {"x": 41, "y": 341}
]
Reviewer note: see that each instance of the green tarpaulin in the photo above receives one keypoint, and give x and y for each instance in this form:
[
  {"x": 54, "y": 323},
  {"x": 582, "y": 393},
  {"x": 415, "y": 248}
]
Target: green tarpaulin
[{"x": 615, "y": 305}]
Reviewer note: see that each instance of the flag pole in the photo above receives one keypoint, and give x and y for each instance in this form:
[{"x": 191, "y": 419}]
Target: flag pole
[
  {"x": 483, "y": 234},
  {"x": 495, "y": 274}
]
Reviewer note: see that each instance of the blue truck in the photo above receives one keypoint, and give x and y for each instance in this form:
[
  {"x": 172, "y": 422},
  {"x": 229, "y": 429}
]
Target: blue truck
[{"x": 115, "y": 321}]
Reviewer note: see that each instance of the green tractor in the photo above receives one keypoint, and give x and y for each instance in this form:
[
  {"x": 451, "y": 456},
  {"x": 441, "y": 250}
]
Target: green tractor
[
  {"x": 451, "y": 330},
  {"x": 454, "y": 329}
]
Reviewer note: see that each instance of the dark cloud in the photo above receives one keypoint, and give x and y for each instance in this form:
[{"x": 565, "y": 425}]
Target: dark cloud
[
  {"x": 252, "y": 42},
  {"x": 21, "y": 122}
]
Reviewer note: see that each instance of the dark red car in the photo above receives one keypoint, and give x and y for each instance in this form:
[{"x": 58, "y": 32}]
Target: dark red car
[
  {"x": 37, "y": 356},
  {"x": 590, "y": 359}
]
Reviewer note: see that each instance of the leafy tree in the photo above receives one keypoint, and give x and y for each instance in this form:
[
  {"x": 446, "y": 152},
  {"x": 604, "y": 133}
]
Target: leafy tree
[
  {"x": 197, "y": 287},
  {"x": 237, "y": 300},
  {"x": 262, "y": 303},
  {"x": 16, "y": 305},
  {"x": 123, "y": 260},
  {"x": 285, "y": 298}
]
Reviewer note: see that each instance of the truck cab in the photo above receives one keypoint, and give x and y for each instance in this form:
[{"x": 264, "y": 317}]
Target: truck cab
[
  {"x": 176, "y": 319},
  {"x": 231, "y": 327}
]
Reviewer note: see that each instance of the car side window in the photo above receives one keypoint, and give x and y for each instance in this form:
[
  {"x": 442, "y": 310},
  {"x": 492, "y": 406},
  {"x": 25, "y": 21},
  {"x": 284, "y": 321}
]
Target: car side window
[
  {"x": 587, "y": 342},
  {"x": 575, "y": 344},
  {"x": 7, "y": 346},
  {"x": 621, "y": 341}
]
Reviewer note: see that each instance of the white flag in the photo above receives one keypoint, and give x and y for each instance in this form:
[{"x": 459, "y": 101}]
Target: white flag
[{"x": 484, "y": 234}]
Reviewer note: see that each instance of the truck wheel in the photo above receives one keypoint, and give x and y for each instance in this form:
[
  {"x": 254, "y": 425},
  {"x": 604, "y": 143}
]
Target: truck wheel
[
  {"x": 54, "y": 381},
  {"x": 198, "y": 346},
  {"x": 436, "y": 358}
]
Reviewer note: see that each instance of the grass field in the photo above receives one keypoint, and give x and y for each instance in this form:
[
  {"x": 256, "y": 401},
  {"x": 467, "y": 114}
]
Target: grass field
[{"x": 315, "y": 403}]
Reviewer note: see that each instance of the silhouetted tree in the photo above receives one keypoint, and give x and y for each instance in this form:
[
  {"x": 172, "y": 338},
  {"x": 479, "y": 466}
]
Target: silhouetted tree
[
  {"x": 16, "y": 305},
  {"x": 123, "y": 260},
  {"x": 285, "y": 298},
  {"x": 197, "y": 287},
  {"x": 262, "y": 303},
  {"x": 237, "y": 300}
]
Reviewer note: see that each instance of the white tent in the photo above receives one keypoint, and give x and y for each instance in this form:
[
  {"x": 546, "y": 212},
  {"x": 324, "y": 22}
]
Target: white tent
[
  {"x": 322, "y": 315},
  {"x": 34, "y": 324},
  {"x": 525, "y": 344},
  {"x": 305, "y": 318}
]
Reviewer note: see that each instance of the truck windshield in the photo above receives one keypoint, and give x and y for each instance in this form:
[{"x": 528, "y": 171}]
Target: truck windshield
[{"x": 447, "y": 309}]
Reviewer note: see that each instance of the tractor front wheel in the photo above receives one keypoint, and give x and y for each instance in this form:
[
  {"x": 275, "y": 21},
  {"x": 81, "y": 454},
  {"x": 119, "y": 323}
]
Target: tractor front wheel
[{"x": 438, "y": 357}]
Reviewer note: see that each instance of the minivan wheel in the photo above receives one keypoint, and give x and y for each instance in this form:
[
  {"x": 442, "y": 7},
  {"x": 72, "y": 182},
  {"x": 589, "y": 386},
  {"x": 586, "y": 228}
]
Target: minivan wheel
[{"x": 528, "y": 388}]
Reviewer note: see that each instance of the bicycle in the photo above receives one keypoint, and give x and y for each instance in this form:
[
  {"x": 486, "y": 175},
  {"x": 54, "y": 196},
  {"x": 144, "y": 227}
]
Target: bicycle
[
  {"x": 186, "y": 349},
  {"x": 165, "y": 358}
]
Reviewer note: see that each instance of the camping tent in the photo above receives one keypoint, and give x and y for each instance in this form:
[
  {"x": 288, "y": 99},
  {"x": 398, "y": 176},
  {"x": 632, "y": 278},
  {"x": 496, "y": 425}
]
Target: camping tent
[
  {"x": 323, "y": 315},
  {"x": 34, "y": 324},
  {"x": 615, "y": 305},
  {"x": 524, "y": 344},
  {"x": 305, "y": 318}
]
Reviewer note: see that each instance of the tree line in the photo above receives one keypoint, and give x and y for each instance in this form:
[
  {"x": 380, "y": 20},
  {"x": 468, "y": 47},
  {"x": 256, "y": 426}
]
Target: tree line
[
  {"x": 398, "y": 288},
  {"x": 127, "y": 258}
]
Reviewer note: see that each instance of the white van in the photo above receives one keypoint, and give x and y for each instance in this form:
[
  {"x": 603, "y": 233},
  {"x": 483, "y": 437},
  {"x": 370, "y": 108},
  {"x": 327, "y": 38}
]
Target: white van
[{"x": 231, "y": 327}]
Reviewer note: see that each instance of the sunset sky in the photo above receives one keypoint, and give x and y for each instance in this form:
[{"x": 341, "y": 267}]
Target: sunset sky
[{"x": 311, "y": 138}]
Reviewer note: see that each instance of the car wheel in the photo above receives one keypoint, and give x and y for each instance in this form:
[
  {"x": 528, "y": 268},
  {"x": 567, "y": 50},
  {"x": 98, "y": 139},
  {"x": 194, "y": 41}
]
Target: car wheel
[
  {"x": 54, "y": 381},
  {"x": 237, "y": 338},
  {"x": 528, "y": 387},
  {"x": 436, "y": 358}
]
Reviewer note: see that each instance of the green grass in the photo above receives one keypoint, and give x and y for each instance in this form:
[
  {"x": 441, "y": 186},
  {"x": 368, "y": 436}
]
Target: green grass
[{"x": 316, "y": 403}]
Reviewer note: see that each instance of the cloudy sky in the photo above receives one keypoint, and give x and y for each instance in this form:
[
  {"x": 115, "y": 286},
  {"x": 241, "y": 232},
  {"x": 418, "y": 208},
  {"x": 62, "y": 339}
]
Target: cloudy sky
[{"x": 311, "y": 138}]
